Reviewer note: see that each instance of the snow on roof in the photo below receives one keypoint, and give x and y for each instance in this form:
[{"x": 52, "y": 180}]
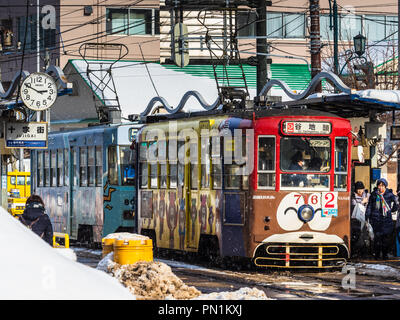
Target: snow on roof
[
  {"x": 31, "y": 269},
  {"x": 134, "y": 85}
]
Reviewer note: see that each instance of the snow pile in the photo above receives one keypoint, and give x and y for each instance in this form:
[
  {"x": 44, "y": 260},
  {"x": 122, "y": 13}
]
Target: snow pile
[
  {"x": 241, "y": 294},
  {"x": 126, "y": 236},
  {"x": 152, "y": 281},
  {"x": 67, "y": 252},
  {"x": 31, "y": 269},
  {"x": 155, "y": 280}
]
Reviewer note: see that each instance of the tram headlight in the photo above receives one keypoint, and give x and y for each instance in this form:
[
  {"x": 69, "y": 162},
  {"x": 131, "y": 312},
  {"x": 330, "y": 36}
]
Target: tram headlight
[{"x": 305, "y": 213}]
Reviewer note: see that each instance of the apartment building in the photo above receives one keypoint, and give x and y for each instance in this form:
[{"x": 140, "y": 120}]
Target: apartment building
[{"x": 132, "y": 23}]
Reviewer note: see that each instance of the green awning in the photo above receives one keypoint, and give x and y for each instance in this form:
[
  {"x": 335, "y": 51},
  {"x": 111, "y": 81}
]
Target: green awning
[{"x": 296, "y": 76}]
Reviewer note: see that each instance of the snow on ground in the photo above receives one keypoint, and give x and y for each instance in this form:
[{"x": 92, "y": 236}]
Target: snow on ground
[
  {"x": 31, "y": 269},
  {"x": 155, "y": 280},
  {"x": 377, "y": 269}
]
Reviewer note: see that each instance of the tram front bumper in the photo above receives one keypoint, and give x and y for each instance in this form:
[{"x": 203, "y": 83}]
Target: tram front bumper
[{"x": 301, "y": 250}]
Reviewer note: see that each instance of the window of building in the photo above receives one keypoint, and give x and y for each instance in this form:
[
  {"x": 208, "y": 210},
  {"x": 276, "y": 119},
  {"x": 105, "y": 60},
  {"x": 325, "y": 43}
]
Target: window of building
[
  {"x": 132, "y": 21},
  {"x": 374, "y": 27},
  {"x": 294, "y": 25},
  {"x": 47, "y": 36}
]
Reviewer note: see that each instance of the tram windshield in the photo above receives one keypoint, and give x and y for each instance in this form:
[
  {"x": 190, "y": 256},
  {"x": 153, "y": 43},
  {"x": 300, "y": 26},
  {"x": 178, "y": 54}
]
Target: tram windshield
[{"x": 308, "y": 159}]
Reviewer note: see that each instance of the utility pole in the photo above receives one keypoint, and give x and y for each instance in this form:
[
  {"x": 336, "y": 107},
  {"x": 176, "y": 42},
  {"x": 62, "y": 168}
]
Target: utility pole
[
  {"x": 315, "y": 38},
  {"x": 261, "y": 27},
  {"x": 398, "y": 44},
  {"x": 335, "y": 38}
]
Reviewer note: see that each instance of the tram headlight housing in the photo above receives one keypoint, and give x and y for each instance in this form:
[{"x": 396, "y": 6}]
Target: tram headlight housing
[{"x": 305, "y": 213}]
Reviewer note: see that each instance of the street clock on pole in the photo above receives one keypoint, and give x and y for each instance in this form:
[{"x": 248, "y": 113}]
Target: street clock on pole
[{"x": 38, "y": 91}]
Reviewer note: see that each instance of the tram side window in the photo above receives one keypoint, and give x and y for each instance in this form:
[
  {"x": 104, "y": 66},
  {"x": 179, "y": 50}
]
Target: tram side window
[
  {"x": 20, "y": 180},
  {"x": 194, "y": 166},
  {"x": 341, "y": 147},
  {"x": 60, "y": 163},
  {"x": 46, "y": 168},
  {"x": 181, "y": 164},
  {"x": 66, "y": 167},
  {"x": 83, "y": 166},
  {"x": 162, "y": 156},
  {"x": 112, "y": 165},
  {"x": 266, "y": 162},
  {"x": 99, "y": 166},
  {"x": 91, "y": 166},
  {"x": 53, "y": 168},
  {"x": 205, "y": 164},
  {"x": 143, "y": 166},
  {"x": 234, "y": 174},
  {"x": 127, "y": 156},
  {"x": 74, "y": 166},
  {"x": 216, "y": 165},
  {"x": 173, "y": 166},
  {"x": 153, "y": 156},
  {"x": 39, "y": 174}
]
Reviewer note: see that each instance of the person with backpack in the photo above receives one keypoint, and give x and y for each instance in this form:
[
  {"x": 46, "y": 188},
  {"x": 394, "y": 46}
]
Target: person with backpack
[{"x": 36, "y": 219}]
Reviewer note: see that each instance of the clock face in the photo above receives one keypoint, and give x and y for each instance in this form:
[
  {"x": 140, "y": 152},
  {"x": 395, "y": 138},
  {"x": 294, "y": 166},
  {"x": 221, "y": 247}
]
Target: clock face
[{"x": 38, "y": 91}]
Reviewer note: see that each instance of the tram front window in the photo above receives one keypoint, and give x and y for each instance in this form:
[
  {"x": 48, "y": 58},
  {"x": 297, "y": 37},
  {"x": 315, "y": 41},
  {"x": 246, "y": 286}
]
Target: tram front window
[
  {"x": 307, "y": 161},
  {"x": 127, "y": 156}
]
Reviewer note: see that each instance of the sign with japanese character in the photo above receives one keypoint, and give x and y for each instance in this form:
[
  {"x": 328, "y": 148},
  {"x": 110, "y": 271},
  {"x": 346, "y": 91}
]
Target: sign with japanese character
[
  {"x": 31, "y": 135},
  {"x": 306, "y": 127}
]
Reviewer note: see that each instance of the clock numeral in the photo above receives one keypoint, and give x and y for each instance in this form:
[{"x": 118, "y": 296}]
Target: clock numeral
[{"x": 28, "y": 97}]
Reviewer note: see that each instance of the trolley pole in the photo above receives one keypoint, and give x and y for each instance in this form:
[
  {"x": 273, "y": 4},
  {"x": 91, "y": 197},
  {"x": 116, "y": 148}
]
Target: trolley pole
[
  {"x": 261, "y": 27},
  {"x": 315, "y": 42}
]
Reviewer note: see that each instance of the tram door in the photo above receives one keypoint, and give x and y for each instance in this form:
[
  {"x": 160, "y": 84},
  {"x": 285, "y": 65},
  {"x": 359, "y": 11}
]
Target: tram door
[{"x": 191, "y": 183}]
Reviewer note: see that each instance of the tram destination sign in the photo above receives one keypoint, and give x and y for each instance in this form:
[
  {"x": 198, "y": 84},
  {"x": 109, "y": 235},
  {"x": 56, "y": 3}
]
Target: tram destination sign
[
  {"x": 32, "y": 135},
  {"x": 306, "y": 127}
]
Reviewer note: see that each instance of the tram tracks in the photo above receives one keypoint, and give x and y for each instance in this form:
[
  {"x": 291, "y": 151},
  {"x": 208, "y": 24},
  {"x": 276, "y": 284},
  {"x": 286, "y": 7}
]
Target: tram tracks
[{"x": 284, "y": 285}]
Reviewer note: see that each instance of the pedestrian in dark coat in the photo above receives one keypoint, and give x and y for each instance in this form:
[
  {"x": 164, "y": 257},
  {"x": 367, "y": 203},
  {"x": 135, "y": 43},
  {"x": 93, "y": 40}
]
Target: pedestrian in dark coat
[
  {"x": 36, "y": 219},
  {"x": 381, "y": 204}
]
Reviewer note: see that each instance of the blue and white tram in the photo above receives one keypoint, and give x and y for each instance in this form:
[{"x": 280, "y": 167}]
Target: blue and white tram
[{"x": 86, "y": 179}]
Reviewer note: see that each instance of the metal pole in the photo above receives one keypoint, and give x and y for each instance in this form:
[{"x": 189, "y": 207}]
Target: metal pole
[
  {"x": 335, "y": 38},
  {"x": 38, "y": 113},
  {"x": 261, "y": 26},
  {"x": 315, "y": 41}
]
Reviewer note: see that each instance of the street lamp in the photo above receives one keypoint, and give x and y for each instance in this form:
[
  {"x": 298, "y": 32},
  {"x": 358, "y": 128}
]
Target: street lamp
[
  {"x": 359, "y": 44},
  {"x": 359, "y": 49}
]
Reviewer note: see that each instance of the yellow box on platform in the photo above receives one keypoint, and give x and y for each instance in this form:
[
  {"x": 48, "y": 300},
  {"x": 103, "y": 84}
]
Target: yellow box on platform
[
  {"x": 132, "y": 251},
  {"x": 107, "y": 245}
]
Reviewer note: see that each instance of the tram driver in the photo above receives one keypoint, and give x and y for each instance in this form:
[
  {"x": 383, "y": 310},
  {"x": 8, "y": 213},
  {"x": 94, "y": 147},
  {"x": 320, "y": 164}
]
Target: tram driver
[{"x": 298, "y": 164}]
